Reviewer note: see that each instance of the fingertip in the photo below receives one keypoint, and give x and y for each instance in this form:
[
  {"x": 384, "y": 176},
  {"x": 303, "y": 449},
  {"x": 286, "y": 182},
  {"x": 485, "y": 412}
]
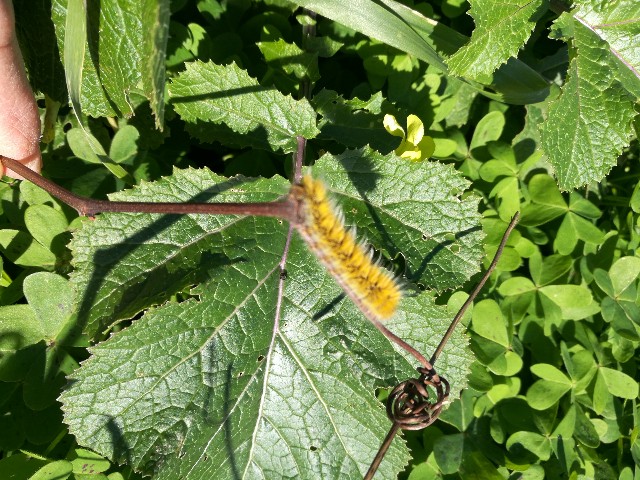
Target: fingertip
[{"x": 32, "y": 162}]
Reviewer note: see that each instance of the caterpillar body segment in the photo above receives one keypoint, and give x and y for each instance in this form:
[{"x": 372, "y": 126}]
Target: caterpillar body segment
[{"x": 321, "y": 224}]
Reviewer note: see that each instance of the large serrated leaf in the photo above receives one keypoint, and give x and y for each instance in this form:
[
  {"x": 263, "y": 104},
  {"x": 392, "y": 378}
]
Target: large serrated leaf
[
  {"x": 224, "y": 103},
  {"x": 351, "y": 125},
  {"x": 617, "y": 23},
  {"x": 128, "y": 261},
  {"x": 502, "y": 28},
  {"x": 125, "y": 263},
  {"x": 587, "y": 127},
  {"x": 410, "y": 208},
  {"x": 258, "y": 375}
]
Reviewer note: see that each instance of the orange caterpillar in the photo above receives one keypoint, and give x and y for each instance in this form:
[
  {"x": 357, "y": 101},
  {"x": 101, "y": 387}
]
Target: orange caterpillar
[{"x": 372, "y": 288}]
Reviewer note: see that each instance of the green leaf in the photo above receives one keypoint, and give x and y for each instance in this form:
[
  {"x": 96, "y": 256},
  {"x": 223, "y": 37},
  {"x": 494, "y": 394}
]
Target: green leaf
[
  {"x": 404, "y": 212},
  {"x": 587, "y": 127},
  {"x": 549, "y": 269},
  {"x": 75, "y": 40},
  {"x": 635, "y": 199},
  {"x": 350, "y": 123},
  {"x": 291, "y": 58},
  {"x": 448, "y": 452},
  {"x": 544, "y": 393},
  {"x": 575, "y": 301},
  {"x": 20, "y": 465},
  {"x": 20, "y": 328},
  {"x": 259, "y": 375},
  {"x": 602, "y": 398},
  {"x": 623, "y": 272},
  {"x": 489, "y": 353},
  {"x": 489, "y": 323},
  {"x": 623, "y": 316},
  {"x": 547, "y": 201},
  {"x": 501, "y": 30},
  {"x": 128, "y": 37},
  {"x": 583, "y": 207},
  {"x": 45, "y": 224},
  {"x": 88, "y": 462},
  {"x": 479, "y": 378},
  {"x": 124, "y": 263},
  {"x": 516, "y": 286},
  {"x": 617, "y": 24},
  {"x": 20, "y": 248},
  {"x": 550, "y": 373},
  {"x": 618, "y": 383},
  {"x": 52, "y": 299},
  {"x": 508, "y": 197},
  {"x": 36, "y": 34},
  {"x": 124, "y": 146},
  {"x": 567, "y": 236},
  {"x": 155, "y": 25},
  {"x": 506, "y": 365},
  {"x": 496, "y": 168},
  {"x": 318, "y": 350},
  {"x": 581, "y": 368},
  {"x": 224, "y": 103},
  {"x": 409, "y": 31},
  {"x": 80, "y": 146},
  {"x": 488, "y": 129},
  {"x": 585, "y": 230},
  {"x": 57, "y": 469},
  {"x": 460, "y": 413},
  {"x": 34, "y": 195},
  {"x": 533, "y": 442}
]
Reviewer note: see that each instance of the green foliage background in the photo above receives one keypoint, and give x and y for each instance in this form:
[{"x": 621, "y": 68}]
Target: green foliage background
[{"x": 154, "y": 340}]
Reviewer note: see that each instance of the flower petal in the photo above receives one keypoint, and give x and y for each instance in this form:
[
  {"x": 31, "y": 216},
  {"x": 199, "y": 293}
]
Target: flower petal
[
  {"x": 415, "y": 129},
  {"x": 392, "y": 126}
]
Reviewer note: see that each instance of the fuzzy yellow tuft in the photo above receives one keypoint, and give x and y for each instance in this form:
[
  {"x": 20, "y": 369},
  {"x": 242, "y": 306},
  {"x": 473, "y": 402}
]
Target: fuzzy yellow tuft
[{"x": 372, "y": 288}]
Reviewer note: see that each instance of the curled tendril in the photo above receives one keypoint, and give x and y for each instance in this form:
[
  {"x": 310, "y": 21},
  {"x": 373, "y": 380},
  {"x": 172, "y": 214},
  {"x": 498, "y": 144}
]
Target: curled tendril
[{"x": 410, "y": 405}]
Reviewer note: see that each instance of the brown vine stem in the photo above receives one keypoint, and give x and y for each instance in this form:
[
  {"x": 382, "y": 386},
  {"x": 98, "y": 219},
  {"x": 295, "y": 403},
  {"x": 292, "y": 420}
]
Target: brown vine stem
[
  {"x": 476, "y": 290},
  {"x": 428, "y": 365},
  {"x": 285, "y": 209}
]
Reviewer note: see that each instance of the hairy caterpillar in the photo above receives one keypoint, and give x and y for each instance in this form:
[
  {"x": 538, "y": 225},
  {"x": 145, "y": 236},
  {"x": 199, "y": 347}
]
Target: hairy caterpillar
[{"x": 321, "y": 224}]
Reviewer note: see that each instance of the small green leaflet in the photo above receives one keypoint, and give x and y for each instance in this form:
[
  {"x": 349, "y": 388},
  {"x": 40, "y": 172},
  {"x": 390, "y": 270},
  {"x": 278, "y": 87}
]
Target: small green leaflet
[
  {"x": 212, "y": 386},
  {"x": 224, "y": 103}
]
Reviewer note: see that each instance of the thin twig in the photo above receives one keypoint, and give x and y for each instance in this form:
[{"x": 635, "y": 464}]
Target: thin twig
[
  {"x": 299, "y": 159},
  {"x": 386, "y": 443},
  {"x": 474, "y": 293},
  {"x": 285, "y": 209},
  {"x": 429, "y": 371},
  {"x": 401, "y": 343}
]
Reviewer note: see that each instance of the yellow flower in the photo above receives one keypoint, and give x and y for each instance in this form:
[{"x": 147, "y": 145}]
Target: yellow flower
[{"x": 415, "y": 144}]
